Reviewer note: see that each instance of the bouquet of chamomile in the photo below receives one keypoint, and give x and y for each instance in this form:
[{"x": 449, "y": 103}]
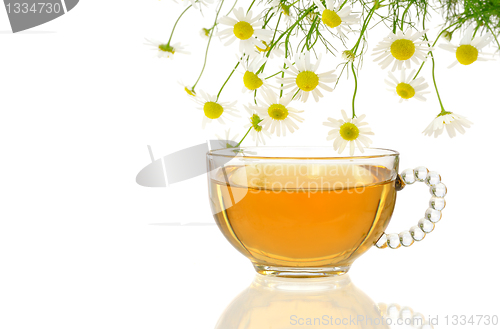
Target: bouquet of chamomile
[{"x": 300, "y": 33}]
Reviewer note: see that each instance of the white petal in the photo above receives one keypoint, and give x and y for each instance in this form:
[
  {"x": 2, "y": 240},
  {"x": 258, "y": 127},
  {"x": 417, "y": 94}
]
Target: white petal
[
  {"x": 451, "y": 130},
  {"x": 342, "y": 146},
  {"x": 344, "y": 115},
  {"x": 227, "y": 21},
  {"x": 360, "y": 146}
]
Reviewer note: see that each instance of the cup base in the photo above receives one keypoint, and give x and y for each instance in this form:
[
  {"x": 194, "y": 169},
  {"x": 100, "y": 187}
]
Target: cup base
[{"x": 301, "y": 272}]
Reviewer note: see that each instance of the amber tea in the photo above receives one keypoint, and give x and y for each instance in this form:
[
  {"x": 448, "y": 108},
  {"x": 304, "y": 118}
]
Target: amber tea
[{"x": 302, "y": 215}]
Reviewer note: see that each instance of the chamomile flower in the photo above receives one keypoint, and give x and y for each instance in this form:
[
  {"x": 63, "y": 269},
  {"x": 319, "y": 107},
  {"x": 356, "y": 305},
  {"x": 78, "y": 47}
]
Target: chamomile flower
[
  {"x": 277, "y": 115},
  {"x": 467, "y": 52},
  {"x": 264, "y": 47},
  {"x": 245, "y": 29},
  {"x": 349, "y": 131},
  {"x": 447, "y": 35},
  {"x": 257, "y": 132},
  {"x": 311, "y": 17},
  {"x": 449, "y": 120},
  {"x": 227, "y": 142},
  {"x": 335, "y": 18},
  {"x": 402, "y": 48},
  {"x": 166, "y": 50},
  {"x": 348, "y": 56},
  {"x": 205, "y": 33},
  {"x": 251, "y": 79},
  {"x": 279, "y": 7},
  {"x": 407, "y": 88},
  {"x": 304, "y": 78},
  {"x": 188, "y": 89},
  {"x": 213, "y": 109}
]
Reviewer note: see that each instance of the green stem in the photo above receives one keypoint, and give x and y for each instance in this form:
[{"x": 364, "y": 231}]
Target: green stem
[
  {"x": 234, "y": 5},
  {"x": 261, "y": 69},
  {"x": 342, "y": 5},
  {"x": 494, "y": 36},
  {"x": 208, "y": 45},
  {"x": 308, "y": 36},
  {"x": 177, "y": 21},
  {"x": 306, "y": 12},
  {"x": 284, "y": 68},
  {"x": 275, "y": 74},
  {"x": 274, "y": 35},
  {"x": 394, "y": 22},
  {"x": 439, "y": 35},
  {"x": 363, "y": 29},
  {"x": 403, "y": 17},
  {"x": 433, "y": 65},
  {"x": 283, "y": 73},
  {"x": 355, "y": 89},
  {"x": 244, "y": 137},
  {"x": 475, "y": 31},
  {"x": 229, "y": 77},
  {"x": 435, "y": 85},
  {"x": 251, "y": 5}
]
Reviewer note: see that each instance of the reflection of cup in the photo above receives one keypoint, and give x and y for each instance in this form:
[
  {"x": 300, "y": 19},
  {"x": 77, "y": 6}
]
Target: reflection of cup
[
  {"x": 304, "y": 211},
  {"x": 273, "y": 303}
]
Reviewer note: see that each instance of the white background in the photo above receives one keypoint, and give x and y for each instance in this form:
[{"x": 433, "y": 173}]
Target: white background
[{"x": 83, "y": 246}]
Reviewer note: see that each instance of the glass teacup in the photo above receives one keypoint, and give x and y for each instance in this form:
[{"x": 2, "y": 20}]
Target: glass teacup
[{"x": 307, "y": 211}]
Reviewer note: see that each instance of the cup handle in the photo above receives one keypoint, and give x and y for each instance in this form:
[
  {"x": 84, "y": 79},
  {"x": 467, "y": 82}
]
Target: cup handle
[{"x": 432, "y": 214}]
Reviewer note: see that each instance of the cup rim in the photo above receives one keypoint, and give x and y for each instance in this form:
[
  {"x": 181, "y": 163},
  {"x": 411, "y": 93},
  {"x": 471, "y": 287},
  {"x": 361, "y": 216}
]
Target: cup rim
[{"x": 379, "y": 153}]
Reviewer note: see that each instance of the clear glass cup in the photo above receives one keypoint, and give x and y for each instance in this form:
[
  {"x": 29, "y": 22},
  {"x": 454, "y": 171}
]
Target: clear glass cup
[{"x": 307, "y": 211}]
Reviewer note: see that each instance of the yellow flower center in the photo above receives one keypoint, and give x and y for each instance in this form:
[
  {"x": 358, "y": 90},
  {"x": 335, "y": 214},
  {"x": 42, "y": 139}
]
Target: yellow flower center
[
  {"x": 285, "y": 10},
  {"x": 212, "y": 110},
  {"x": 349, "y": 131},
  {"x": 402, "y": 49},
  {"x": 243, "y": 30},
  {"x": 263, "y": 49},
  {"x": 331, "y": 18},
  {"x": 167, "y": 48},
  {"x": 189, "y": 91},
  {"x": 405, "y": 90},
  {"x": 251, "y": 80},
  {"x": 466, "y": 54},
  {"x": 255, "y": 120},
  {"x": 307, "y": 80},
  {"x": 277, "y": 112}
]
